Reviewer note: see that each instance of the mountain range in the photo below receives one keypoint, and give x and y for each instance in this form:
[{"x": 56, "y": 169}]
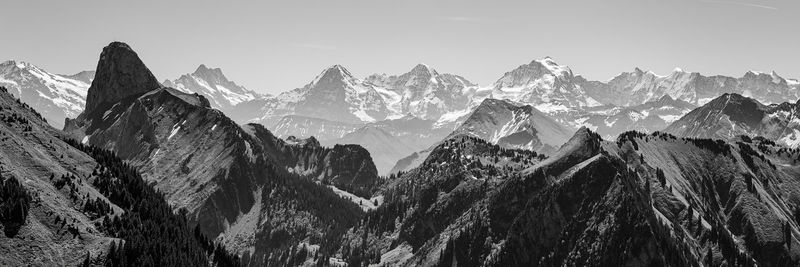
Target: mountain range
[
  {"x": 541, "y": 168},
  {"x": 335, "y": 103}
]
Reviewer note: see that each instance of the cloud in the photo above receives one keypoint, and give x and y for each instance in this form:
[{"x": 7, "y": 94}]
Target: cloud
[
  {"x": 740, "y": 4},
  {"x": 463, "y": 19},
  {"x": 315, "y": 46}
]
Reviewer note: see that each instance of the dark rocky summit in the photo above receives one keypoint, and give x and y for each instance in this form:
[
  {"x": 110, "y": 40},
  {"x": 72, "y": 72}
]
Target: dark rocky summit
[{"x": 120, "y": 74}]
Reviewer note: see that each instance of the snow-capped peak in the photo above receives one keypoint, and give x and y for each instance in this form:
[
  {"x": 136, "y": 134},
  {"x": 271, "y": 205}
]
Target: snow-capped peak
[
  {"x": 553, "y": 67},
  {"x": 56, "y": 96},
  {"x": 775, "y": 77},
  {"x": 213, "y": 75},
  {"x": 422, "y": 68},
  {"x": 5, "y": 66},
  {"x": 334, "y": 73},
  {"x": 752, "y": 72},
  {"x": 212, "y": 83},
  {"x": 678, "y": 70},
  {"x": 202, "y": 69}
]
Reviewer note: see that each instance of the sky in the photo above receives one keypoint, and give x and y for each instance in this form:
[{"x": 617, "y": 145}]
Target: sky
[{"x": 274, "y": 46}]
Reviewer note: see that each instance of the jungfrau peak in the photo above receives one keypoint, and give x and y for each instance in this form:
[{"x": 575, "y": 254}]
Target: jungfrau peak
[{"x": 551, "y": 88}]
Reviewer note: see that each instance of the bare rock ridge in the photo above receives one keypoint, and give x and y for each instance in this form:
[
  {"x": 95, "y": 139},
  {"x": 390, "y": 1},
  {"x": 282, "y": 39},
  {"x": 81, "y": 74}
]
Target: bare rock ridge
[{"x": 120, "y": 74}]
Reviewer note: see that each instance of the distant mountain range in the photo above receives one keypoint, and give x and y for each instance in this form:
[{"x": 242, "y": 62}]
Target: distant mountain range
[{"x": 336, "y": 104}]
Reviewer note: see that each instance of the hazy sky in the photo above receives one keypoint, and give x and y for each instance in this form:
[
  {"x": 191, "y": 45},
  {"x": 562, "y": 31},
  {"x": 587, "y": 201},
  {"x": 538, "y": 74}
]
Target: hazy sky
[{"x": 273, "y": 46}]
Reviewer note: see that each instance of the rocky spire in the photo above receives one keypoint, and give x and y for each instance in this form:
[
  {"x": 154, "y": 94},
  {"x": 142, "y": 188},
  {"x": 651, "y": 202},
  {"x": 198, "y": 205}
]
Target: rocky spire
[{"x": 120, "y": 74}]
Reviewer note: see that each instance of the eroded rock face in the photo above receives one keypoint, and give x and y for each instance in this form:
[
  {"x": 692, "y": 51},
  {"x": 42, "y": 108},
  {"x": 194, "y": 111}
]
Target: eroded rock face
[{"x": 120, "y": 74}]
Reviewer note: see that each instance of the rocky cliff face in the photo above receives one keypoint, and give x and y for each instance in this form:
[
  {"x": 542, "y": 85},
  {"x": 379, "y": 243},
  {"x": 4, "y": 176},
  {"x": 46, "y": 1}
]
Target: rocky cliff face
[{"x": 120, "y": 74}]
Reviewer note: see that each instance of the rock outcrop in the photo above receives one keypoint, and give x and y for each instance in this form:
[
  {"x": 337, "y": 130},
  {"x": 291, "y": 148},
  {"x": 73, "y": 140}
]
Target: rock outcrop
[{"x": 120, "y": 74}]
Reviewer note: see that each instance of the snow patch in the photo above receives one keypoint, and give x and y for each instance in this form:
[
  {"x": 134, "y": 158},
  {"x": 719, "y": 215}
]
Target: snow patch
[
  {"x": 363, "y": 116},
  {"x": 174, "y": 131},
  {"x": 791, "y": 140}
]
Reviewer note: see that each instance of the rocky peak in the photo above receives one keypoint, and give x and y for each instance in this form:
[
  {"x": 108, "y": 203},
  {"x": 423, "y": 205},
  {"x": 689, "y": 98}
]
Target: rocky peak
[
  {"x": 210, "y": 74},
  {"x": 491, "y": 104},
  {"x": 731, "y": 98},
  {"x": 11, "y": 65},
  {"x": 333, "y": 73},
  {"x": 665, "y": 101},
  {"x": 308, "y": 142},
  {"x": 553, "y": 67},
  {"x": 120, "y": 74},
  {"x": 533, "y": 71},
  {"x": 423, "y": 70},
  {"x": 16, "y": 66}
]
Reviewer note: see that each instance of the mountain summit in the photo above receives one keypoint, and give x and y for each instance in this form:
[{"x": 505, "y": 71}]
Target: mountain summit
[
  {"x": 120, "y": 74},
  {"x": 732, "y": 115},
  {"x": 222, "y": 93}
]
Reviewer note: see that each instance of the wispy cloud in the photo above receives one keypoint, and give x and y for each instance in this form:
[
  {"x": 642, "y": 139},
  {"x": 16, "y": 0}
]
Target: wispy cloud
[
  {"x": 740, "y": 4},
  {"x": 315, "y": 46},
  {"x": 463, "y": 19}
]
